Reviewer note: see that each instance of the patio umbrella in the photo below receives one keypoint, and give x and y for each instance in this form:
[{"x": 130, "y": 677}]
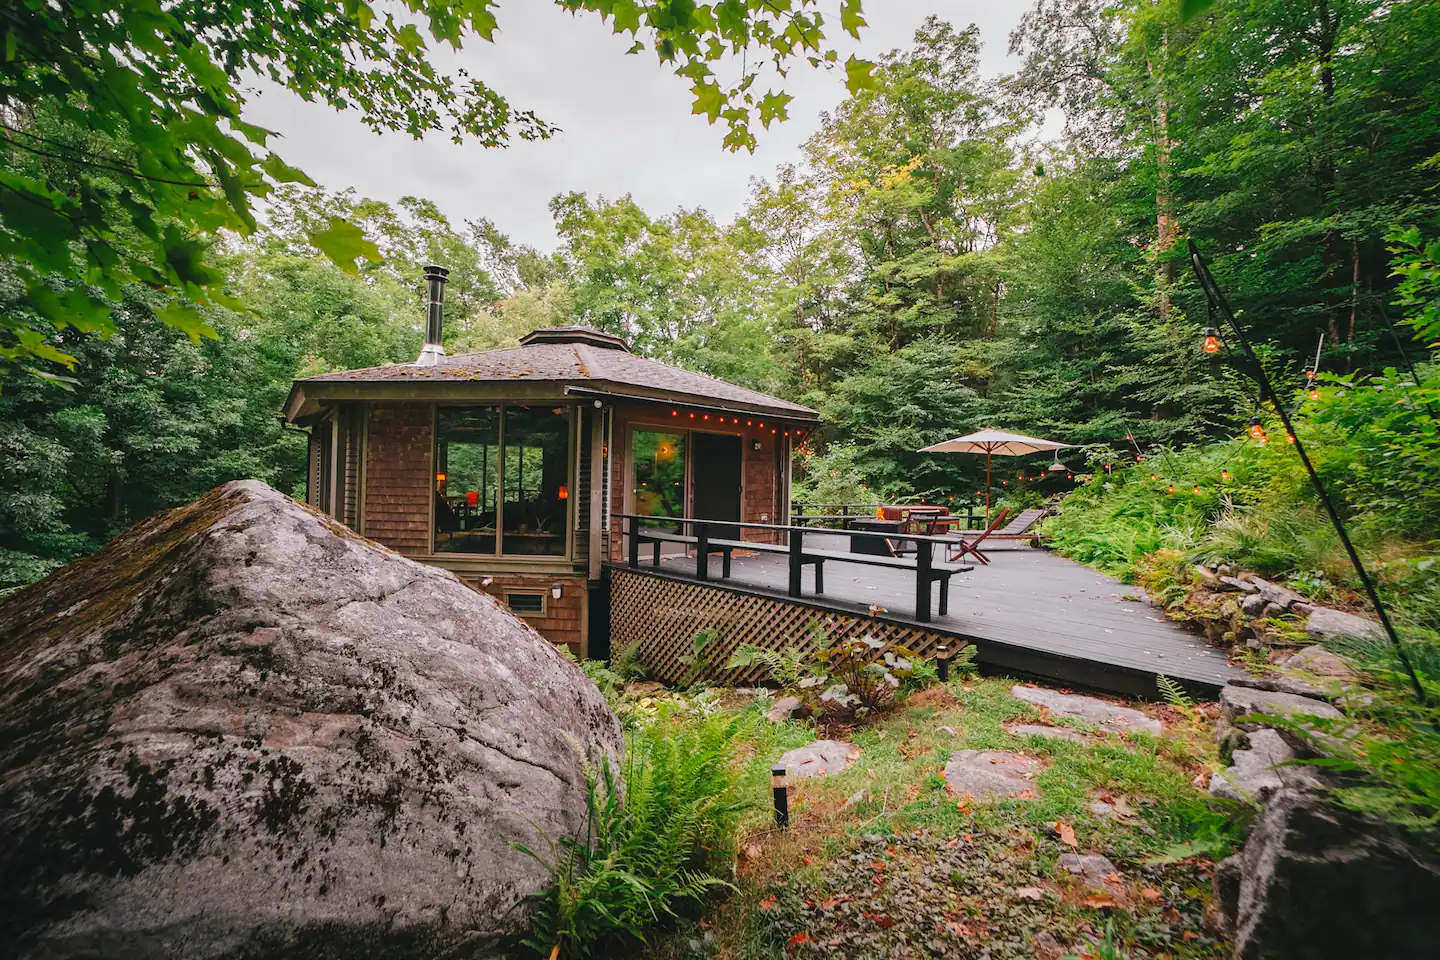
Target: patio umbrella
[{"x": 991, "y": 442}]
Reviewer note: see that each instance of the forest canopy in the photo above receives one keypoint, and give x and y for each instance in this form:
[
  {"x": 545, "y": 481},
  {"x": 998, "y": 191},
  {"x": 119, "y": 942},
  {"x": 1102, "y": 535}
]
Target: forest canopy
[{"x": 928, "y": 267}]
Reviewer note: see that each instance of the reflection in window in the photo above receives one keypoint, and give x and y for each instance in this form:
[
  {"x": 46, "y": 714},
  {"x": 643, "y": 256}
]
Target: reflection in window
[
  {"x": 467, "y": 457},
  {"x": 659, "y": 460},
  {"x": 537, "y": 464}
]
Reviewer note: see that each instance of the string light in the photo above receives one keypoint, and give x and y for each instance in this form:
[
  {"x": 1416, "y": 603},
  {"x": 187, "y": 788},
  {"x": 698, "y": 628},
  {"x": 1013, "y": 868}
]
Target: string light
[
  {"x": 1212, "y": 340},
  {"x": 1314, "y": 394},
  {"x": 1289, "y": 438},
  {"x": 1257, "y": 429},
  {"x": 1154, "y": 476},
  {"x": 1170, "y": 489},
  {"x": 1225, "y": 475},
  {"x": 1197, "y": 489}
]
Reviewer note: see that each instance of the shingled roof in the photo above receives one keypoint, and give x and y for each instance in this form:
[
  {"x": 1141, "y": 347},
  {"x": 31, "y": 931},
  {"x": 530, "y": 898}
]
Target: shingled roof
[{"x": 589, "y": 361}]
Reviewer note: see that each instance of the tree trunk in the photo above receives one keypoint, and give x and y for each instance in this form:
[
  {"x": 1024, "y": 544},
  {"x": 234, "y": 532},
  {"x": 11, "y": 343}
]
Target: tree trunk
[{"x": 1166, "y": 227}]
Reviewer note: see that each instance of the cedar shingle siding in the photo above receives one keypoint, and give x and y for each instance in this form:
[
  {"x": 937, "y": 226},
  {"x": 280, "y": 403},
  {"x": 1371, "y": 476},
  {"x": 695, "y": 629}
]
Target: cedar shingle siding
[{"x": 398, "y": 476}]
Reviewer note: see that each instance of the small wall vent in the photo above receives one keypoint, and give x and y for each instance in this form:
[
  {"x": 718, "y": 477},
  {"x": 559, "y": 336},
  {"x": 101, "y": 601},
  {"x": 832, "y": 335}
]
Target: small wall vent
[{"x": 526, "y": 604}]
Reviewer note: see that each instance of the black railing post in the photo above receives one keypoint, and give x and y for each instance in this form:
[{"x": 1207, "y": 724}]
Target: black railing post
[
  {"x": 923, "y": 560},
  {"x": 942, "y": 662},
  {"x": 702, "y": 551},
  {"x": 634, "y": 541},
  {"x": 797, "y": 553}
]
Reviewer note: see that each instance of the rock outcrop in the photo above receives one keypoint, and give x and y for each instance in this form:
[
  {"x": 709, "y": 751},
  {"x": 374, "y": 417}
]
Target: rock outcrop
[
  {"x": 1316, "y": 880},
  {"x": 241, "y": 731}
]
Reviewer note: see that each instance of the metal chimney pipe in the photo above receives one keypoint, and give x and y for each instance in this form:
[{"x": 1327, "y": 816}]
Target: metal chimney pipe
[{"x": 431, "y": 353}]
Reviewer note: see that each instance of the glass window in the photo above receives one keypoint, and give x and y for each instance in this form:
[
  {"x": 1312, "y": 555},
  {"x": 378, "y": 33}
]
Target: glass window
[
  {"x": 659, "y": 460},
  {"x": 467, "y": 475},
  {"x": 536, "y": 481}
]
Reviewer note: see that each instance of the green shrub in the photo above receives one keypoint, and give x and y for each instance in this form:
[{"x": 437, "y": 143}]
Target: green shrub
[
  {"x": 661, "y": 838},
  {"x": 850, "y": 678}
]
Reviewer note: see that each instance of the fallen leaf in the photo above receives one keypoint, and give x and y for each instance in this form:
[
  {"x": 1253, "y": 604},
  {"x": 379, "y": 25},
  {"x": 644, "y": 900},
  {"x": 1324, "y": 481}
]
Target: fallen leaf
[
  {"x": 1171, "y": 915},
  {"x": 953, "y": 841},
  {"x": 879, "y": 919},
  {"x": 1026, "y": 795},
  {"x": 768, "y": 903},
  {"x": 753, "y": 851},
  {"x": 1190, "y": 935},
  {"x": 958, "y": 928},
  {"x": 794, "y": 942},
  {"x": 1113, "y": 878},
  {"x": 1150, "y": 895},
  {"x": 808, "y": 860},
  {"x": 1066, "y": 834},
  {"x": 1098, "y": 901},
  {"x": 1030, "y": 893},
  {"x": 877, "y": 865}
]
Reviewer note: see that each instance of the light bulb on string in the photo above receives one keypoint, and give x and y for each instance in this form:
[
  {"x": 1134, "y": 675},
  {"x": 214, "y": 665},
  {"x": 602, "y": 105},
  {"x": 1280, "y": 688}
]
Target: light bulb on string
[
  {"x": 1225, "y": 475},
  {"x": 1154, "y": 476},
  {"x": 1197, "y": 489},
  {"x": 1212, "y": 340},
  {"x": 1289, "y": 438},
  {"x": 1314, "y": 394},
  {"x": 1170, "y": 489},
  {"x": 1257, "y": 429}
]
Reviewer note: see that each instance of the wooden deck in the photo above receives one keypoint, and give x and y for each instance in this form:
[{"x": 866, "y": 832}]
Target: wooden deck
[{"x": 1029, "y": 612}]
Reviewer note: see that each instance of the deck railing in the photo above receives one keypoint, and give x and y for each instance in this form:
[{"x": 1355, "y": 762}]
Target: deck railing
[
  {"x": 705, "y": 537},
  {"x": 839, "y": 515}
]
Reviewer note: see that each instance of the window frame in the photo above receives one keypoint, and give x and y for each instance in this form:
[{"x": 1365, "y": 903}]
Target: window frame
[{"x": 570, "y": 512}]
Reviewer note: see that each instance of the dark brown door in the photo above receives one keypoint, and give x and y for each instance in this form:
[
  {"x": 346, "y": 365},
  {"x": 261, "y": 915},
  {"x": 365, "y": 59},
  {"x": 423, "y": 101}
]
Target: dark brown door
[{"x": 715, "y": 464}]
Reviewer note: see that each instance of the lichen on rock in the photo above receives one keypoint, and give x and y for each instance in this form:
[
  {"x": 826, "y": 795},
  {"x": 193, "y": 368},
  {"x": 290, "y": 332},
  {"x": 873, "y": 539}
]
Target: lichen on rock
[{"x": 242, "y": 730}]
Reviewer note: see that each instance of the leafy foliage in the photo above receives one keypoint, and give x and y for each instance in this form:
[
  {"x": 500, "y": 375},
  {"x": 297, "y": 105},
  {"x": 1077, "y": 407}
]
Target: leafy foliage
[
  {"x": 850, "y": 678},
  {"x": 126, "y": 152},
  {"x": 658, "y": 835}
]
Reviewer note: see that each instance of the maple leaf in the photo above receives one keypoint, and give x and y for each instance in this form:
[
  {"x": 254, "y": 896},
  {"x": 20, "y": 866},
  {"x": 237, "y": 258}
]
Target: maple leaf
[
  {"x": 794, "y": 942},
  {"x": 1151, "y": 895},
  {"x": 768, "y": 903},
  {"x": 879, "y": 919},
  {"x": 858, "y": 75},
  {"x": 1098, "y": 901},
  {"x": 1030, "y": 893},
  {"x": 1066, "y": 834}
]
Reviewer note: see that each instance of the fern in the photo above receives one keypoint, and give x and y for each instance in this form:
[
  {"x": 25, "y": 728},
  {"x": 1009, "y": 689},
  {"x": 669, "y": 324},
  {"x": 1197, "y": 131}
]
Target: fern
[
  {"x": 1174, "y": 694},
  {"x": 786, "y": 667},
  {"x": 628, "y": 665},
  {"x": 962, "y": 661},
  {"x": 661, "y": 846}
]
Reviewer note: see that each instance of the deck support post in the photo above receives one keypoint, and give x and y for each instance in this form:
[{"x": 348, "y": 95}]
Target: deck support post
[
  {"x": 923, "y": 558},
  {"x": 702, "y": 551},
  {"x": 634, "y": 526},
  {"x": 797, "y": 557}
]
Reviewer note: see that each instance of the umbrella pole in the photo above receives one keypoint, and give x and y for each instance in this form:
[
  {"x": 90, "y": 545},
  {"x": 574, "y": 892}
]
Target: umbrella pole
[{"x": 987, "y": 487}]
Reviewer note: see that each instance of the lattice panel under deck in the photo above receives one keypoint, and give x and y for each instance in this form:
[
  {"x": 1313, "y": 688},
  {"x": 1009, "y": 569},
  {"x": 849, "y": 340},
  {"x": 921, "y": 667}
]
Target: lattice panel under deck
[{"x": 664, "y": 615}]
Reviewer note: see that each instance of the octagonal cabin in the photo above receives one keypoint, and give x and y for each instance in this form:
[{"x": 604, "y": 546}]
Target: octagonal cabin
[{"x": 509, "y": 467}]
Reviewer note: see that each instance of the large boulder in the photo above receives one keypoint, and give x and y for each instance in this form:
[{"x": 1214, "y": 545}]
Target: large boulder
[
  {"x": 240, "y": 730},
  {"x": 1316, "y": 881}
]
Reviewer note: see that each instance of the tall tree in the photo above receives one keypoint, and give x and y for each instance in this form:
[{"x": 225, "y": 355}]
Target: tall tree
[{"x": 124, "y": 144}]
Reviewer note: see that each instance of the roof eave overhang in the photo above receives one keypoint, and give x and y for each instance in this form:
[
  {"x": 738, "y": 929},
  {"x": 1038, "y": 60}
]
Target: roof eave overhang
[
  {"x": 709, "y": 404},
  {"x": 308, "y": 396}
]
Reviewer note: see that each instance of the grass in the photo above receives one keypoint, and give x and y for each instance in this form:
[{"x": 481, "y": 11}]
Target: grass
[{"x": 1013, "y": 844}]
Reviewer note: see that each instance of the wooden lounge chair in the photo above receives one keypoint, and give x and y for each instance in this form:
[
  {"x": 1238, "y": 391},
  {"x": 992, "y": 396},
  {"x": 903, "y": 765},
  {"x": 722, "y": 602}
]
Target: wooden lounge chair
[{"x": 967, "y": 542}]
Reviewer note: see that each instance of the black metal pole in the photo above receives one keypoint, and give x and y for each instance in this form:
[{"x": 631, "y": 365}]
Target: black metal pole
[
  {"x": 1213, "y": 294},
  {"x": 781, "y": 788},
  {"x": 942, "y": 662}
]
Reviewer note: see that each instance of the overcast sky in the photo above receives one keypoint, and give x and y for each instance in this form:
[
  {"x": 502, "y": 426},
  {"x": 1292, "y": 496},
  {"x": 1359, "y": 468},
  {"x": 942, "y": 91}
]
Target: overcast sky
[{"x": 626, "y": 121}]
